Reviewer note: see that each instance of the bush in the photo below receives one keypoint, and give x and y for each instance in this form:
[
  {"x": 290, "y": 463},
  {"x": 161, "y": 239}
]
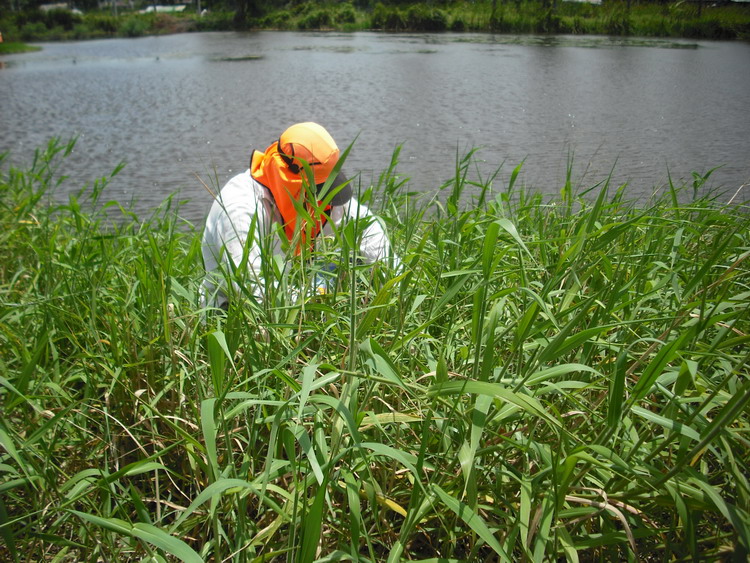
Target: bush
[
  {"x": 420, "y": 17},
  {"x": 741, "y": 31},
  {"x": 498, "y": 23},
  {"x": 618, "y": 24},
  {"x": 30, "y": 16},
  {"x": 62, "y": 18},
  {"x": 133, "y": 27},
  {"x": 387, "y": 18},
  {"x": 33, "y": 31},
  {"x": 574, "y": 25},
  {"x": 458, "y": 24},
  {"x": 82, "y": 31},
  {"x": 316, "y": 19},
  {"x": 303, "y": 8},
  {"x": 277, "y": 20},
  {"x": 10, "y": 31},
  {"x": 547, "y": 23},
  {"x": 104, "y": 24},
  {"x": 346, "y": 13},
  {"x": 707, "y": 29},
  {"x": 56, "y": 33},
  {"x": 214, "y": 21}
]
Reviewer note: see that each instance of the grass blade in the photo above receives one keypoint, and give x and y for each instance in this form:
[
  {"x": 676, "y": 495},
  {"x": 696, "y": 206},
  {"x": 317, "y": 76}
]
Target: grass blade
[{"x": 473, "y": 520}]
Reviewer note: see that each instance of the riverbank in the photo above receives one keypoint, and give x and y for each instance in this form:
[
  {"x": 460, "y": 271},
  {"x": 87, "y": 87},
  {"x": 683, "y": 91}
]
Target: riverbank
[
  {"x": 617, "y": 17},
  {"x": 16, "y": 47},
  {"x": 546, "y": 378}
]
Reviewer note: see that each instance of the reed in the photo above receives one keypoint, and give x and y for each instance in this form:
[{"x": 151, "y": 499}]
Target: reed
[{"x": 544, "y": 379}]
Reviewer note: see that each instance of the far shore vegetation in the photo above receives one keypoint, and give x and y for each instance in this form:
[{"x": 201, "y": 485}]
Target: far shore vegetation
[
  {"x": 560, "y": 378},
  {"x": 33, "y": 21}
]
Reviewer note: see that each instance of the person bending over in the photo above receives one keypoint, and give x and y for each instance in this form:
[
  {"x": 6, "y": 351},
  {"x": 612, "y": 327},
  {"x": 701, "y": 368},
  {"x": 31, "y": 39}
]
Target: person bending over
[{"x": 267, "y": 211}]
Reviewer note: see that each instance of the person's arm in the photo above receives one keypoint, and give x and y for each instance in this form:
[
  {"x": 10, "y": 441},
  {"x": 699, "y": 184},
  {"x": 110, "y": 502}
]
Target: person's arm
[
  {"x": 231, "y": 239},
  {"x": 241, "y": 228},
  {"x": 374, "y": 243}
]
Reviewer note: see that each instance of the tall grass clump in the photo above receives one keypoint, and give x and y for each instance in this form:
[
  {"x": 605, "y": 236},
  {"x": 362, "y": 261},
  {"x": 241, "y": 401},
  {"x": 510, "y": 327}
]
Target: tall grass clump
[{"x": 541, "y": 379}]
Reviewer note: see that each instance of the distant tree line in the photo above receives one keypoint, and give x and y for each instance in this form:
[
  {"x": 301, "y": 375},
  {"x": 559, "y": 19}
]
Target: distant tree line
[{"x": 25, "y": 20}]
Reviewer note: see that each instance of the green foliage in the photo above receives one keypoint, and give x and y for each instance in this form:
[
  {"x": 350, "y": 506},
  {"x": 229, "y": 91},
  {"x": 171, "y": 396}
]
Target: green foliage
[
  {"x": 616, "y": 17},
  {"x": 543, "y": 379},
  {"x": 420, "y": 17},
  {"x": 346, "y": 13},
  {"x": 35, "y": 24},
  {"x": 618, "y": 23},
  {"x": 133, "y": 27},
  {"x": 33, "y": 30},
  {"x": 276, "y": 20},
  {"x": 416, "y": 17},
  {"x": 387, "y": 18},
  {"x": 103, "y": 23},
  {"x": 11, "y": 47},
  {"x": 214, "y": 21},
  {"x": 62, "y": 18},
  {"x": 310, "y": 16},
  {"x": 28, "y": 16}
]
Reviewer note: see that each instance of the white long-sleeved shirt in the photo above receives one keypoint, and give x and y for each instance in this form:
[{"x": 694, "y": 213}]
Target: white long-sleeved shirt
[{"x": 244, "y": 213}]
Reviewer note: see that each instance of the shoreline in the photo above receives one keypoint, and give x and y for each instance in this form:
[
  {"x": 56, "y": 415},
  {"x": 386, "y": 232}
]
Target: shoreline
[{"x": 529, "y": 17}]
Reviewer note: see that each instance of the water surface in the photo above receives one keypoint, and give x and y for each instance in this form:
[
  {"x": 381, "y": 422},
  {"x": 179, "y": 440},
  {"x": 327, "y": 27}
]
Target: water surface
[{"x": 186, "y": 109}]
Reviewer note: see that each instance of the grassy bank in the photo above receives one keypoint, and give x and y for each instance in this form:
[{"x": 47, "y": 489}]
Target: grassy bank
[
  {"x": 12, "y": 48},
  {"x": 614, "y": 17},
  {"x": 545, "y": 379}
]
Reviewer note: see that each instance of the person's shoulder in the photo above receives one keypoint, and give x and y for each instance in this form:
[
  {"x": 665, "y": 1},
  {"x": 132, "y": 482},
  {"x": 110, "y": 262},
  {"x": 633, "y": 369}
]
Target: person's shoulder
[
  {"x": 240, "y": 187},
  {"x": 241, "y": 180}
]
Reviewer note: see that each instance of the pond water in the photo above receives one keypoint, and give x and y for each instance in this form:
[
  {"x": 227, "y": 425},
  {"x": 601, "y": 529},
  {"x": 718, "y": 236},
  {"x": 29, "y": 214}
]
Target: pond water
[{"x": 185, "y": 109}]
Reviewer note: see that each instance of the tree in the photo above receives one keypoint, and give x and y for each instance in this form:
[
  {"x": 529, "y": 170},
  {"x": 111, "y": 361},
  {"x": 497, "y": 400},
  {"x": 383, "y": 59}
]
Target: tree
[{"x": 246, "y": 10}]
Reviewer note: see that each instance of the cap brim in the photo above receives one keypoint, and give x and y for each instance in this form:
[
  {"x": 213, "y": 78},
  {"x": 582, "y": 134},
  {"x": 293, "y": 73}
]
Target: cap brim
[{"x": 342, "y": 193}]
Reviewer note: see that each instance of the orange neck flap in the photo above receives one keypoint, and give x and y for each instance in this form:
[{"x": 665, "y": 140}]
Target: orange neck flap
[{"x": 286, "y": 187}]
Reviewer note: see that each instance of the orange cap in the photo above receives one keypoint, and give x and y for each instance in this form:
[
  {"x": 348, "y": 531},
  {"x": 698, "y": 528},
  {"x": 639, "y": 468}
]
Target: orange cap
[
  {"x": 311, "y": 143},
  {"x": 280, "y": 168}
]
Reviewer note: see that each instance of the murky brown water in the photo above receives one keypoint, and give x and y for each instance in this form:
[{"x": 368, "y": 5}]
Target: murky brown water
[{"x": 174, "y": 106}]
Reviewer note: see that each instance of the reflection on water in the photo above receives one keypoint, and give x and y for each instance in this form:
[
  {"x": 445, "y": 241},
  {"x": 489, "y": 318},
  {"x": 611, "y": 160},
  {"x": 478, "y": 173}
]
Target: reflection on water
[{"x": 179, "y": 107}]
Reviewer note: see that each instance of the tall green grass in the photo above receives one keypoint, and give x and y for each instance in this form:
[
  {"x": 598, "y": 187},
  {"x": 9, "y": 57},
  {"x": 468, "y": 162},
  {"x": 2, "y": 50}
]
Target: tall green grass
[{"x": 544, "y": 379}]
